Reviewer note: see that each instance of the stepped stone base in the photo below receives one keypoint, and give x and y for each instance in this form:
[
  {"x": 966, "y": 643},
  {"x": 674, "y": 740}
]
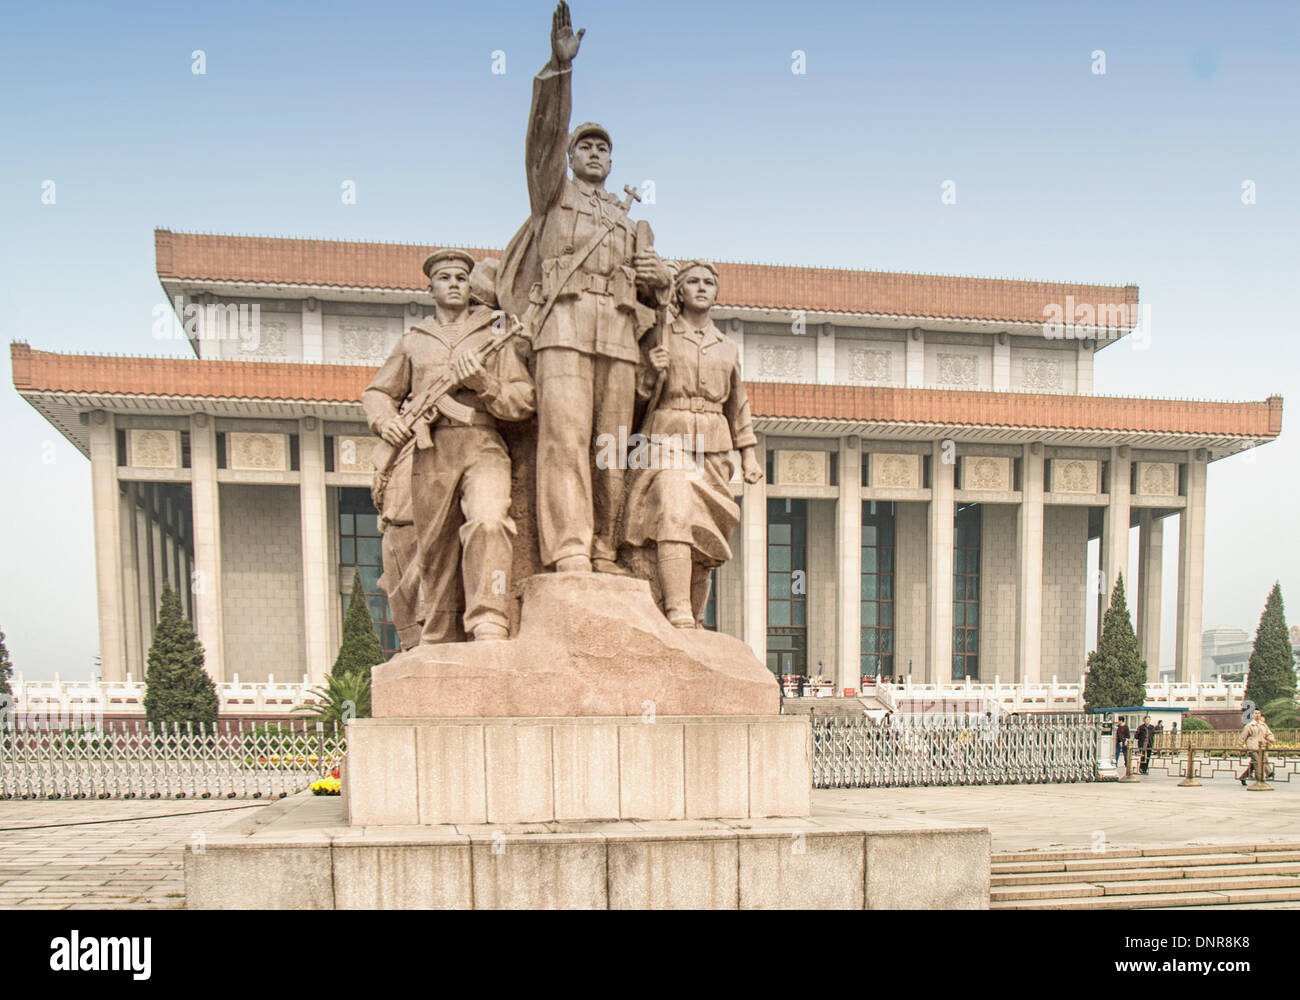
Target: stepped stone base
[
  {"x": 490, "y": 770},
  {"x": 300, "y": 854},
  {"x": 589, "y": 644}
]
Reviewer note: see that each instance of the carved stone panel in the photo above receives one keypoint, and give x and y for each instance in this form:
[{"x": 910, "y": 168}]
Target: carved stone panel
[
  {"x": 961, "y": 370},
  {"x": 154, "y": 449},
  {"x": 257, "y": 452},
  {"x": 1076, "y": 475},
  {"x": 267, "y": 340},
  {"x": 361, "y": 342},
  {"x": 803, "y": 468},
  {"x": 901, "y": 472},
  {"x": 868, "y": 366},
  {"x": 1158, "y": 479},
  {"x": 352, "y": 453},
  {"x": 1044, "y": 375},
  {"x": 984, "y": 472},
  {"x": 781, "y": 359}
]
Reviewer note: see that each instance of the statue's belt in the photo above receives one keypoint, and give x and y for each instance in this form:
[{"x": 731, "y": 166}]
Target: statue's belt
[{"x": 696, "y": 404}]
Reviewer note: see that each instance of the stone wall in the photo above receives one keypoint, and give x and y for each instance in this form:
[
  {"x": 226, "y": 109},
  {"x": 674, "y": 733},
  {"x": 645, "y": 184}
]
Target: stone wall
[
  {"x": 261, "y": 582},
  {"x": 1065, "y": 597}
]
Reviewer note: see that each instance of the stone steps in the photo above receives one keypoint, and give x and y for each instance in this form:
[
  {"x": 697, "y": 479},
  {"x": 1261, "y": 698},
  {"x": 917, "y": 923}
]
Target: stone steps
[
  {"x": 1247, "y": 866},
  {"x": 1201, "y": 877}
]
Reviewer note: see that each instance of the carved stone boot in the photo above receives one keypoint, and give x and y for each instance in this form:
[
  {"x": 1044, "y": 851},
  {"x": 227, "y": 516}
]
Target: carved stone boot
[
  {"x": 490, "y": 632},
  {"x": 675, "y": 582},
  {"x": 609, "y": 566},
  {"x": 573, "y": 564}
]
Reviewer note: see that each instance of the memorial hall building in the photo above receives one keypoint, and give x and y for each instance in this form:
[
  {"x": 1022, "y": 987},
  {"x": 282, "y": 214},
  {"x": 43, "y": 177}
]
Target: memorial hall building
[{"x": 937, "y": 465}]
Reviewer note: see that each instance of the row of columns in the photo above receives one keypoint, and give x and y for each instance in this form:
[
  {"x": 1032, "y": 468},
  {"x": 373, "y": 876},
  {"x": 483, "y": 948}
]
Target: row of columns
[
  {"x": 111, "y": 566},
  {"x": 1030, "y": 536},
  {"x": 317, "y": 570}
]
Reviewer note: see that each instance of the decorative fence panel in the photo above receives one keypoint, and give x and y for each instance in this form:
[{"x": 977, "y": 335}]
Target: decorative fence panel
[
  {"x": 953, "y": 750},
  {"x": 136, "y": 760}
]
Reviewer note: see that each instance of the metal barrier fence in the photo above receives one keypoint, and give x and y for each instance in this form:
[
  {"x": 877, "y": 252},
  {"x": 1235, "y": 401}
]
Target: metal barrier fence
[
  {"x": 130, "y": 760},
  {"x": 953, "y": 750}
]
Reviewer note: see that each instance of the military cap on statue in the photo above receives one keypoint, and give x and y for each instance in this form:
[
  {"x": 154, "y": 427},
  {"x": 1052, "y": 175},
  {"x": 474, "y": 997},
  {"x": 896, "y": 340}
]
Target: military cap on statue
[
  {"x": 448, "y": 254},
  {"x": 589, "y": 128}
]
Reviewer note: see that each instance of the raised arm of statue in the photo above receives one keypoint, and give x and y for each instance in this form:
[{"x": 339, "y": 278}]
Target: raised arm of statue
[{"x": 546, "y": 144}]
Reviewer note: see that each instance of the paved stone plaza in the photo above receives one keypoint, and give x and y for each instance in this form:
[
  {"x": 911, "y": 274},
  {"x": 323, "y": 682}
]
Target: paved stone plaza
[
  {"x": 1152, "y": 812},
  {"x": 62, "y": 855}
]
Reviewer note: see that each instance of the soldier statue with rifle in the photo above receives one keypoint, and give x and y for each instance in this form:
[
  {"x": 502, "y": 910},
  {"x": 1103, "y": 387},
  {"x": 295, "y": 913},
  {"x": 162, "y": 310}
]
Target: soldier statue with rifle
[
  {"x": 587, "y": 281},
  {"x": 448, "y": 382}
]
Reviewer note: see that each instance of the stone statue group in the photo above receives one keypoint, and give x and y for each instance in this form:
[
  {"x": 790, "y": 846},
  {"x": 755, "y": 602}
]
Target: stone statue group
[{"x": 638, "y": 400}]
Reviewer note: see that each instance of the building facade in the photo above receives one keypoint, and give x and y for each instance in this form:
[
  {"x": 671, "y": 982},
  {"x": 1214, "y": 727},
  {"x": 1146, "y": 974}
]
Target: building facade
[{"x": 937, "y": 465}]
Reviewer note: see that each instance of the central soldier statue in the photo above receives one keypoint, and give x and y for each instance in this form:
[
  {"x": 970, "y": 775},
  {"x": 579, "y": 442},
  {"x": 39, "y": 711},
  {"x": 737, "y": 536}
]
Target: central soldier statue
[{"x": 577, "y": 270}]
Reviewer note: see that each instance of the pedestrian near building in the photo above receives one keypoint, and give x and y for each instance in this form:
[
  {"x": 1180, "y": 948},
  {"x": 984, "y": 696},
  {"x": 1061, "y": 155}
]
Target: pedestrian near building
[
  {"x": 1255, "y": 735},
  {"x": 1121, "y": 742},
  {"x": 1146, "y": 737}
]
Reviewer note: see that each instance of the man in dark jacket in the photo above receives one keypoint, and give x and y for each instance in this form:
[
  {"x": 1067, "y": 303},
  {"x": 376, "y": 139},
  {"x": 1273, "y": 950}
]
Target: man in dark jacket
[{"x": 1146, "y": 738}]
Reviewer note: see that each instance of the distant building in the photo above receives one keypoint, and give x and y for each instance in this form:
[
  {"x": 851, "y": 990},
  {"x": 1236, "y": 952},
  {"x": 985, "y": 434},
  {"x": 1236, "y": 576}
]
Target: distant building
[{"x": 1225, "y": 652}]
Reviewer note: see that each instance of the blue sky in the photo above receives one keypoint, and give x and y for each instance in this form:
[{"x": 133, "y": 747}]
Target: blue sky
[{"x": 1134, "y": 175}]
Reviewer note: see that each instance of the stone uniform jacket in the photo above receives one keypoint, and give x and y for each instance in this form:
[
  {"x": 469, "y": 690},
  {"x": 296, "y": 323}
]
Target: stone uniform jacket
[
  {"x": 426, "y": 350},
  {"x": 597, "y": 311},
  {"x": 703, "y": 394}
]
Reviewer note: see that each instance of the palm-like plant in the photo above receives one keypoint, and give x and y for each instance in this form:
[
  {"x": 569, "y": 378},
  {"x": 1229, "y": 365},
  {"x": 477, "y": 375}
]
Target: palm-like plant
[
  {"x": 343, "y": 696},
  {"x": 1282, "y": 713}
]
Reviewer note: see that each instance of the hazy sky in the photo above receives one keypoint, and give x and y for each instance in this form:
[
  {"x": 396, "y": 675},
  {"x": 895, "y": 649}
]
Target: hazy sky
[{"x": 1062, "y": 173}]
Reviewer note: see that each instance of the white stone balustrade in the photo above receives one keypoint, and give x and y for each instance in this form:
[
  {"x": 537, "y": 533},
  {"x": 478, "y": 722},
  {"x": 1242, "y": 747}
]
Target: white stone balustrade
[{"x": 63, "y": 699}]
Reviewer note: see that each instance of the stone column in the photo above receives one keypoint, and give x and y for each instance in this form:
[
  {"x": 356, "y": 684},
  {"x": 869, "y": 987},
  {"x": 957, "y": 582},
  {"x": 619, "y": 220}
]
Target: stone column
[
  {"x": 848, "y": 567},
  {"x": 1191, "y": 571},
  {"x": 108, "y": 545},
  {"x": 1002, "y": 362},
  {"x": 313, "y": 334},
  {"x": 826, "y": 356},
  {"x": 914, "y": 361},
  {"x": 939, "y": 540},
  {"x": 317, "y": 574},
  {"x": 206, "y": 581},
  {"x": 1151, "y": 551},
  {"x": 1114, "y": 532},
  {"x": 1029, "y": 552},
  {"x": 1083, "y": 378},
  {"x": 135, "y": 651},
  {"x": 754, "y": 525}
]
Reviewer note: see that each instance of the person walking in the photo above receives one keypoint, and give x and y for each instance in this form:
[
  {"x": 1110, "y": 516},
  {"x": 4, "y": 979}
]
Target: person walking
[
  {"x": 1121, "y": 742},
  {"x": 1146, "y": 737},
  {"x": 1255, "y": 735}
]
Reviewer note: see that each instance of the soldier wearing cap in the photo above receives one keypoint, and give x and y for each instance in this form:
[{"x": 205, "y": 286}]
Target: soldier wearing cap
[
  {"x": 460, "y": 476},
  {"x": 586, "y": 351}
]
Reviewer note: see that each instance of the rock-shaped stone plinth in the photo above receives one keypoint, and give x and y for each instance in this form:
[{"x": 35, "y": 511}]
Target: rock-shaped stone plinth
[{"x": 588, "y": 644}]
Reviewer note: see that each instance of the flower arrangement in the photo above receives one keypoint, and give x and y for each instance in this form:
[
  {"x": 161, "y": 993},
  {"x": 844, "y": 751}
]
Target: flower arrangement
[{"x": 326, "y": 786}]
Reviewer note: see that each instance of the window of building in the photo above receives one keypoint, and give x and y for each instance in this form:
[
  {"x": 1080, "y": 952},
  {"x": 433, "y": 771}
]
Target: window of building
[
  {"x": 787, "y": 586},
  {"x": 877, "y": 589},
  {"x": 710, "y": 619},
  {"x": 359, "y": 548},
  {"x": 966, "y": 592}
]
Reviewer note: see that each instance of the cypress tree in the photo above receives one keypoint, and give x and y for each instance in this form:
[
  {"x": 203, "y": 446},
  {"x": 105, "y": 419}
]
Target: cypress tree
[
  {"x": 6, "y": 667},
  {"x": 177, "y": 688},
  {"x": 360, "y": 649},
  {"x": 1117, "y": 674},
  {"x": 1272, "y": 663}
]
